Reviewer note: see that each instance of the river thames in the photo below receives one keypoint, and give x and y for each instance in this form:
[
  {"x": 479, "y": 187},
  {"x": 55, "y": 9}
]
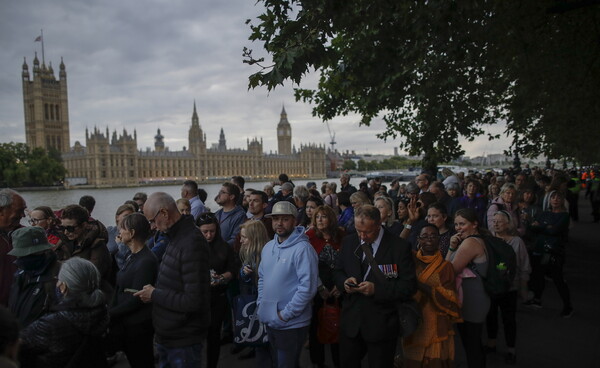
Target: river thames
[{"x": 109, "y": 199}]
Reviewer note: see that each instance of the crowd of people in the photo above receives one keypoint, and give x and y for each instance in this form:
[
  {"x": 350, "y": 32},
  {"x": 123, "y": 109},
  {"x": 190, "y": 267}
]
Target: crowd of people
[{"x": 278, "y": 271}]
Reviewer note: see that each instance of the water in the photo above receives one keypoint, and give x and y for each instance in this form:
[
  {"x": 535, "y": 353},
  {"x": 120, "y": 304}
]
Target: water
[{"x": 108, "y": 200}]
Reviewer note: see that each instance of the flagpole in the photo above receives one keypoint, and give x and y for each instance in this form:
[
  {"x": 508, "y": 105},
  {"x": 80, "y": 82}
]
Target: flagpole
[{"x": 43, "y": 58}]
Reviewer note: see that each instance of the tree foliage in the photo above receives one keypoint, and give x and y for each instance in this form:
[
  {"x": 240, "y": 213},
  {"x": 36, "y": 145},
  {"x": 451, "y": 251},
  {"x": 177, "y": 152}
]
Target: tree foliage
[
  {"x": 439, "y": 72},
  {"x": 21, "y": 166},
  {"x": 349, "y": 165}
]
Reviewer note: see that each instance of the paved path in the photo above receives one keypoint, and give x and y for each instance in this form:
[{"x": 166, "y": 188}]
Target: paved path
[{"x": 543, "y": 338}]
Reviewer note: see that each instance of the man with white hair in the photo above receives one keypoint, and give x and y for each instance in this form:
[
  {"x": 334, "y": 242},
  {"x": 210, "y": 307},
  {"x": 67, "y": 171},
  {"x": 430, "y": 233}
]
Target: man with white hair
[
  {"x": 12, "y": 210},
  {"x": 181, "y": 297}
]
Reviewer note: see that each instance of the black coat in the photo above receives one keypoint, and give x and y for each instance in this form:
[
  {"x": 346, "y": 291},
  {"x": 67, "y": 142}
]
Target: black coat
[
  {"x": 33, "y": 293},
  {"x": 181, "y": 299},
  {"x": 375, "y": 317},
  {"x": 54, "y": 339},
  {"x": 139, "y": 269}
]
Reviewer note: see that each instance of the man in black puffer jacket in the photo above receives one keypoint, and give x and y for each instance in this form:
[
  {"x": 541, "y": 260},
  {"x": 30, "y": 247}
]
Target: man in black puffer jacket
[{"x": 181, "y": 298}]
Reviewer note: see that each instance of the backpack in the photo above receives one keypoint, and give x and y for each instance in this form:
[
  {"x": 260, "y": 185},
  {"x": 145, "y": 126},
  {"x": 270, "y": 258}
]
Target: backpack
[{"x": 502, "y": 266}]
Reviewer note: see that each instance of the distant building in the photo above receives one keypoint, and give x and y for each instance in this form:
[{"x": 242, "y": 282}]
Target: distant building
[
  {"x": 46, "y": 108},
  {"x": 107, "y": 160}
]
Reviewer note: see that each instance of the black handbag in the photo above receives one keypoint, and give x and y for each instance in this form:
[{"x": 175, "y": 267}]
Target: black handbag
[{"x": 409, "y": 313}]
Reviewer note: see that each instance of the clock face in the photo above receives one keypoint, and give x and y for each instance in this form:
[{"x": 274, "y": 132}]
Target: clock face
[{"x": 280, "y": 132}]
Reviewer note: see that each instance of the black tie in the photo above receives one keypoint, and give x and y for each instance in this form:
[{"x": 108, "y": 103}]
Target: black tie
[{"x": 364, "y": 266}]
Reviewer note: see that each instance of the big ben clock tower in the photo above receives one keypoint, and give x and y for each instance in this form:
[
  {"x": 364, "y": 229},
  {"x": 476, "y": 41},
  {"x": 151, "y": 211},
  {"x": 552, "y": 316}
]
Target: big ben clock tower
[{"x": 284, "y": 135}]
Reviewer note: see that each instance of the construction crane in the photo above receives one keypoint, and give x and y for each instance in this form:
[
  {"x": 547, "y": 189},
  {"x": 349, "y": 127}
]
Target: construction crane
[{"x": 332, "y": 136}]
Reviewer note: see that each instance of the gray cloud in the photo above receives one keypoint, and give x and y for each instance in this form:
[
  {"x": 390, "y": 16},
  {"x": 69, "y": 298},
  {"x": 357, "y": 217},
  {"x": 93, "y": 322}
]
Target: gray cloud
[{"x": 141, "y": 64}]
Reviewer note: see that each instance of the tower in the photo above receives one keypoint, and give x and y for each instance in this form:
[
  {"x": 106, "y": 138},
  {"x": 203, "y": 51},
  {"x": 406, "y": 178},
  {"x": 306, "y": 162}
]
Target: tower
[
  {"x": 222, "y": 142},
  {"x": 159, "y": 145},
  {"x": 284, "y": 134},
  {"x": 45, "y": 102},
  {"x": 196, "y": 140}
]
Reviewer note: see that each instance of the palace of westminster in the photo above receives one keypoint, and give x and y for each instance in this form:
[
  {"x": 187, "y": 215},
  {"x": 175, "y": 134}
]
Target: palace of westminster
[{"x": 115, "y": 160}]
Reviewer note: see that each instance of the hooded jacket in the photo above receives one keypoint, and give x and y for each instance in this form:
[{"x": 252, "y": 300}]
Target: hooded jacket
[{"x": 287, "y": 281}]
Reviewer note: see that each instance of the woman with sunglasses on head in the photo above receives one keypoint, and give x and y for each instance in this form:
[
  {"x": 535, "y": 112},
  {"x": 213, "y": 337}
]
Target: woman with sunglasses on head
[
  {"x": 326, "y": 238},
  {"x": 131, "y": 319},
  {"x": 312, "y": 203},
  {"x": 432, "y": 344},
  {"x": 222, "y": 271},
  {"x": 45, "y": 218},
  {"x": 469, "y": 259},
  {"x": 507, "y": 303}
]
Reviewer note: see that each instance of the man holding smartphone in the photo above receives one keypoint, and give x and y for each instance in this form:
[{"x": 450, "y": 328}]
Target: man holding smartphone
[{"x": 369, "y": 320}]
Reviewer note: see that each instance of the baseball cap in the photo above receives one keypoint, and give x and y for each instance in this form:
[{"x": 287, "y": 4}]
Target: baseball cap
[{"x": 283, "y": 208}]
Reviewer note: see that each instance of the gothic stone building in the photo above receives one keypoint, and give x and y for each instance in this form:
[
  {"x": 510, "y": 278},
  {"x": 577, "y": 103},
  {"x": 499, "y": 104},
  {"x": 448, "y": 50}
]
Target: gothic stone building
[{"x": 115, "y": 160}]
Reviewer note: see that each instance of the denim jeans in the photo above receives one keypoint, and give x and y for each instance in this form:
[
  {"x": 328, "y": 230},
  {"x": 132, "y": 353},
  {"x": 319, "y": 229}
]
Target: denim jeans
[
  {"x": 287, "y": 346},
  {"x": 182, "y": 357}
]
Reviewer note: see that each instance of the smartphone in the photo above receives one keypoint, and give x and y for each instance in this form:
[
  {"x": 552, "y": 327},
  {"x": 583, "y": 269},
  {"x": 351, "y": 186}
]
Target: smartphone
[
  {"x": 133, "y": 291},
  {"x": 351, "y": 284}
]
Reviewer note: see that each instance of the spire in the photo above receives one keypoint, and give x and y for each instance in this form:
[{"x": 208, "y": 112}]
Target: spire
[
  {"x": 222, "y": 141},
  {"x": 195, "y": 120},
  {"x": 283, "y": 113}
]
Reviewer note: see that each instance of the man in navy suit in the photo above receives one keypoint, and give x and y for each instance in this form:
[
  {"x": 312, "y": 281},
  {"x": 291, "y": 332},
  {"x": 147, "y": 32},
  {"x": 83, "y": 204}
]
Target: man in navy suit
[{"x": 369, "y": 320}]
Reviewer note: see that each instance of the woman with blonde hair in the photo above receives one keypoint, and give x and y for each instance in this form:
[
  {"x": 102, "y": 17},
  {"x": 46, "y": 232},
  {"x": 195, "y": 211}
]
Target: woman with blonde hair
[
  {"x": 253, "y": 237},
  {"x": 385, "y": 205}
]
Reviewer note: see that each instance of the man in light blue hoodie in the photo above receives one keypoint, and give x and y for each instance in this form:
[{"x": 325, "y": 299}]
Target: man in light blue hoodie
[{"x": 286, "y": 286}]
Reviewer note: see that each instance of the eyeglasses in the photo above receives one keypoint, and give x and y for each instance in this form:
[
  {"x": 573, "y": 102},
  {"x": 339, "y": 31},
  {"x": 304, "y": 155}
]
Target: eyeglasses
[
  {"x": 430, "y": 237},
  {"x": 151, "y": 222},
  {"x": 69, "y": 229},
  {"x": 224, "y": 192},
  {"x": 34, "y": 221}
]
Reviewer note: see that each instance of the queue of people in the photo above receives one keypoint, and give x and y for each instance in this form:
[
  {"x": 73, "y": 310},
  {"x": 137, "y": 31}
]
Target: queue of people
[{"x": 315, "y": 269}]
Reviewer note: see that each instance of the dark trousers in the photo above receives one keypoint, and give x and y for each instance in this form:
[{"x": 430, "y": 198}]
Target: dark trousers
[
  {"x": 353, "y": 349},
  {"x": 136, "y": 341},
  {"x": 218, "y": 309},
  {"x": 507, "y": 303},
  {"x": 470, "y": 334},
  {"x": 287, "y": 345},
  {"x": 316, "y": 349},
  {"x": 181, "y": 357},
  {"x": 554, "y": 268}
]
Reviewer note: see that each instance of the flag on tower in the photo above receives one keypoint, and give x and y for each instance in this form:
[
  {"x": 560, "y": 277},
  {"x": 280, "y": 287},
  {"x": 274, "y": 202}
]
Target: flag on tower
[{"x": 38, "y": 39}]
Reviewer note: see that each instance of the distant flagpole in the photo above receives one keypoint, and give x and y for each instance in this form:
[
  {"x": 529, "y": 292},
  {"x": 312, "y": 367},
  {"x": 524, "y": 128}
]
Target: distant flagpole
[{"x": 40, "y": 38}]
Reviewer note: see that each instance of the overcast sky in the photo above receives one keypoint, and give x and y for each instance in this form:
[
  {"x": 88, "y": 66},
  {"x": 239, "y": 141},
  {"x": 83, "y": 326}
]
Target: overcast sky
[{"x": 141, "y": 64}]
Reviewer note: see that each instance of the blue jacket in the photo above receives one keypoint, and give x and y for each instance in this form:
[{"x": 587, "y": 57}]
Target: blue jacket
[
  {"x": 230, "y": 223},
  {"x": 287, "y": 281}
]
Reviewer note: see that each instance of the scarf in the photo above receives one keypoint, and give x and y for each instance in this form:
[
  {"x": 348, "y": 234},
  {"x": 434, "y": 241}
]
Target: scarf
[{"x": 433, "y": 263}]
